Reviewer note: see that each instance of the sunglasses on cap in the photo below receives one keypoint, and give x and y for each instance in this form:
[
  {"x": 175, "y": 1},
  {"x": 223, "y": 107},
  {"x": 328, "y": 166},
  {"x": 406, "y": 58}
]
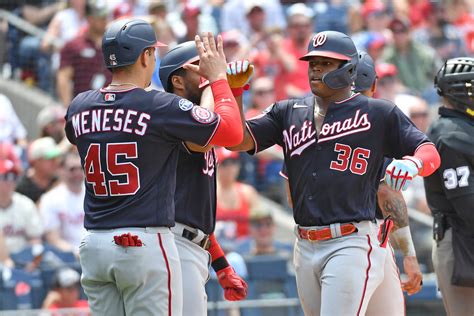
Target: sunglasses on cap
[{"x": 9, "y": 176}]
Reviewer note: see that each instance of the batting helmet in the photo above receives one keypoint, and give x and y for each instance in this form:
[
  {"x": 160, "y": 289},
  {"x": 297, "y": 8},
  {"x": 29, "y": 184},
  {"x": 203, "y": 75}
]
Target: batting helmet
[
  {"x": 335, "y": 45},
  {"x": 125, "y": 40},
  {"x": 183, "y": 53},
  {"x": 366, "y": 74},
  {"x": 455, "y": 81}
]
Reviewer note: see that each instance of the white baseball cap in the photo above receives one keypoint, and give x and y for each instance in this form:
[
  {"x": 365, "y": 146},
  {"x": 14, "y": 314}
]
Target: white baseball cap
[
  {"x": 301, "y": 9},
  {"x": 44, "y": 148}
]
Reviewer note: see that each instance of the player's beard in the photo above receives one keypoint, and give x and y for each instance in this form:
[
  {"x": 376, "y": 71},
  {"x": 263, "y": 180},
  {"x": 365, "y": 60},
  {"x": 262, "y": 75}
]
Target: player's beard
[{"x": 193, "y": 93}]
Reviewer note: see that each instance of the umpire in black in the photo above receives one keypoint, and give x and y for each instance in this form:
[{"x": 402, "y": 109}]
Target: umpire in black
[{"x": 450, "y": 190}]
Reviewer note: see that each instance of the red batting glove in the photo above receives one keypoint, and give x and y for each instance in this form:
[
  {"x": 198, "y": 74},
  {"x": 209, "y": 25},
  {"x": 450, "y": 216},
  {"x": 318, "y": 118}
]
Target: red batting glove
[{"x": 235, "y": 288}]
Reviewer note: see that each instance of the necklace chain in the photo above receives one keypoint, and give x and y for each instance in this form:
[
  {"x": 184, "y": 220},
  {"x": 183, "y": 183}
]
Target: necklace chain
[{"x": 317, "y": 111}]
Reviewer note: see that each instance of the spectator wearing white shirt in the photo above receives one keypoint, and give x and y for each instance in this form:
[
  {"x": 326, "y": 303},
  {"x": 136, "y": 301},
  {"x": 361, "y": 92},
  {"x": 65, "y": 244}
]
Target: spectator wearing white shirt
[
  {"x": 11, "y": 129},
  {"x": 19, "y": 219},
  {"x": 62, "y": 207}
]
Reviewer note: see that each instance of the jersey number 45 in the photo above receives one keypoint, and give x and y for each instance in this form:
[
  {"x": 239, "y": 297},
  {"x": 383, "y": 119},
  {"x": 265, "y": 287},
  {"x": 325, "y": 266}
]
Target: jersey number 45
[{"x": 96, "y": 177}]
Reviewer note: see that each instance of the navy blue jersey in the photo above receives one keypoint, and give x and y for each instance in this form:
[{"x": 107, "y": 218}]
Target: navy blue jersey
[
  {"x": 334, "y": 177},
  {"x": 450, "y": 189},
  {"x": 129, "y": 143},
  {"x": 195, "y": 196}
]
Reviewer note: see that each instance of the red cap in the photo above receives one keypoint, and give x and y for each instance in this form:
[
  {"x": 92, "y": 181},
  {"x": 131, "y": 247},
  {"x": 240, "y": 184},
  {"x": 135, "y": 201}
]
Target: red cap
[
  {"x": 372, "y": 6},
  {"x": 385, "y": 70},
  {"x": 224, "y": 154},
  {"x": 9, "y": 161}
]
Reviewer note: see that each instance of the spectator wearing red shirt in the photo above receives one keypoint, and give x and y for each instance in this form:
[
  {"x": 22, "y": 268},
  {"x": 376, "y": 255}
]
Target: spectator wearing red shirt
[
  {"x": 281, "y": 58},
  {"x": 234, "y": 199},
  {"x": 82, "y": 66},
  {"x": 66, "y": 293}
]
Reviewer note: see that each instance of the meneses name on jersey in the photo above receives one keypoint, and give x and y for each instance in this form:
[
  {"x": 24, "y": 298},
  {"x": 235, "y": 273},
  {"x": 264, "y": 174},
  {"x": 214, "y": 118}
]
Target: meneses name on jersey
[{"x": 110, "y": 120}]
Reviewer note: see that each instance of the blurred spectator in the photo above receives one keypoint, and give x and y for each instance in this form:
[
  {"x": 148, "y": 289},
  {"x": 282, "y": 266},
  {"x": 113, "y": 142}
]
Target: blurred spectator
[
  {"x": 235, "y": 45},
  {"x": 376, "y": 20},
  {"x": 51, "y": 122},
  {"x": 194, "y": 19},
  {"x": 418, "y": 111},
  {"x": 262, "y": 236},
  {"x": 82, "y": 66},
  {"x": 190, "y": 17},
  {"x": 375, "y": 45},
  {"x": 291, "y": 81},
  {"x": 62, "y": 207},
  {"x": 65, "y": 25},
  {"x": 388, "y": 84},
  {"x": 234, "y": 199},
  {"x": 65, "y": 293},
  {"x": 5, "y": 260},
  {"x": 35, "y": 65},
  {"x": 11, "y": 129},
  {"x": 19, "y": 218},
  {"x": 255, "y": 16},
  {"x": 332, "y": 15},
  {"x": 234, "y": 15},
  {"x": 43, "y": 156},
  {"x": 263, "y": 95},
  {"x": 416, "y": 63},
  {"x": 128, "y": 8},
  {"x": 460, "y": 13}
]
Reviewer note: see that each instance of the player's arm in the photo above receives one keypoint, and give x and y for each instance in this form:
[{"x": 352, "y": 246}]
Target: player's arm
[
  {"x": 392, "y": 204},
  {"x": 420, "y": 157},
  {"x": 235, "y": 288},
  {"x": 239, "y": 74},
  {"x": 4, "y": 255}
]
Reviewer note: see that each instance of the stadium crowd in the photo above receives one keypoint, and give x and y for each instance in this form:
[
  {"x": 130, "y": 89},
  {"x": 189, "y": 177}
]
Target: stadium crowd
[{"x": 41, "y": 193}]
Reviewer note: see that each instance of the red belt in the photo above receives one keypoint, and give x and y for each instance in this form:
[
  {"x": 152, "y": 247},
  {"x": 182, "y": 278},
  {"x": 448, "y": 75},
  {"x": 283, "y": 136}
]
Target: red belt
[{"x": 325, "y": 233}]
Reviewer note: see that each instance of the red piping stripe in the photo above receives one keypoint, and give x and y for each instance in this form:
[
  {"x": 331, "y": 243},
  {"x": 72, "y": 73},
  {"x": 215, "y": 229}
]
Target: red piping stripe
[
  {"x": 366, "y": 275},
  {"x": 399, "y": 279},
  {"x": 169, "y": 273}
]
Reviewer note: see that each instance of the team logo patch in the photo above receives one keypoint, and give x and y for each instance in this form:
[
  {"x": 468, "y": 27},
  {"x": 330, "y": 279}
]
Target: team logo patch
[
  {"x": 109, "y": 97},
  {"x": 185, "y": 105},
  {"x": 319, "y": 39},
  {"x": 202, "y": 115}
]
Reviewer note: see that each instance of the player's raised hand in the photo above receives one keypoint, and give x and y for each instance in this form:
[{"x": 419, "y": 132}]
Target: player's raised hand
[
  {"x": 412, "y": 270},
  {"x": 239, "y": 73},
  {"x": 212, "y": 62},
  {"x": 400, "y": 173}
]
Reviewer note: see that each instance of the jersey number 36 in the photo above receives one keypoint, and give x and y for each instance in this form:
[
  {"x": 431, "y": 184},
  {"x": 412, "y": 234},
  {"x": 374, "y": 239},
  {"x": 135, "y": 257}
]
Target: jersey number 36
[{"x": 96, "y": 177}]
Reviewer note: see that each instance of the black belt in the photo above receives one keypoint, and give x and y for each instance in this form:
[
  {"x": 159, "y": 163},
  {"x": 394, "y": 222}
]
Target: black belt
[{"x": 205, "y": 243}]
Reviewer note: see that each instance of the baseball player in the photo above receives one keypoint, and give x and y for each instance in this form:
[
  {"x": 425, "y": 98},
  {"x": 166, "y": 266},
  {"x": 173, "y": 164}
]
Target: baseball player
[
  {"x": 334, "y": 144},
  {"x": 195, "y": 195},
  {"x": 128, "y": 139},
  {"x": 450, "y": 190},
  {"x": 388, "y": 297}
]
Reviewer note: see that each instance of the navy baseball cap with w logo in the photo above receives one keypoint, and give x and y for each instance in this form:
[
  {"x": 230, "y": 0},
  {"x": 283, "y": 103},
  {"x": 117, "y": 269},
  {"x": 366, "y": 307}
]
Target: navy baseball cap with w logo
[
  {"x": 339, "y": 46},
  {"x": 331, "y": 44}
]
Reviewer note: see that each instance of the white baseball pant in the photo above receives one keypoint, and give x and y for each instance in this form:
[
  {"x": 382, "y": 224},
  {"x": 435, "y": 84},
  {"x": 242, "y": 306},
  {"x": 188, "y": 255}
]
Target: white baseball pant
[{"x": 134, "y": 280}]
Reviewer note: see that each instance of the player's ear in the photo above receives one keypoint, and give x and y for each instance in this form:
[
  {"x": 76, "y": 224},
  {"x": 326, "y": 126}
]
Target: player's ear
[
  {"x": 145, "y": 57},
  {"x": 177, "y": 82},
  {"x": 374, "y": 86}
]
